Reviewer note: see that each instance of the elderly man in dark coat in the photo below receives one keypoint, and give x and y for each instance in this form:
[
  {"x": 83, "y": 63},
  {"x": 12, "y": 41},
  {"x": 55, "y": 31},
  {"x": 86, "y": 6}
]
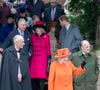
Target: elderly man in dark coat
[
  {"x": 15, "y": 69},
  {"x": 21, "y": 30}
]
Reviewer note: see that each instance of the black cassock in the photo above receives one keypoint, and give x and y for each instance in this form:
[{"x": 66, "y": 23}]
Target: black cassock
[{"x": 9, "y": 72}]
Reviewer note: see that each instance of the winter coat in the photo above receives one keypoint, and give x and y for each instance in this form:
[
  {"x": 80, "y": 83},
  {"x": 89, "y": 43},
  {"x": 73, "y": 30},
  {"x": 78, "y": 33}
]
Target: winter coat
[
  {"x": 39, "y": 60},
  {"x": 86, "y": 81},
  {"x": 9, "y": 71},
  {"x": 60, "y": 76},
  {"x": 5, "y": 29}
]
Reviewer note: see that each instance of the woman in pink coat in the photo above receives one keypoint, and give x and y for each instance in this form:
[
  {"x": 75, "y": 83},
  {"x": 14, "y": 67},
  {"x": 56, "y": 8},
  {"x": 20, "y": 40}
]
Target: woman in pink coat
[{"x": 41, "y": 53}]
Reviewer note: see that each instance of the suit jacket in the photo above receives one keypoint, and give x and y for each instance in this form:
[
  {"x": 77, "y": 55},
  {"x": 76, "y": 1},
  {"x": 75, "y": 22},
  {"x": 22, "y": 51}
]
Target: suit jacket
[
  {"x": 70, "y": 39},
  {"x": 36, "y": 9},
  {"x": 27, "y": 39},
  {"x": 47, "y": 13}
]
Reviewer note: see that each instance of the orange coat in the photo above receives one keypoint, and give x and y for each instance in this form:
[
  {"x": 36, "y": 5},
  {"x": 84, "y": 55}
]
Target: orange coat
[{"x": 60, "y": 76}]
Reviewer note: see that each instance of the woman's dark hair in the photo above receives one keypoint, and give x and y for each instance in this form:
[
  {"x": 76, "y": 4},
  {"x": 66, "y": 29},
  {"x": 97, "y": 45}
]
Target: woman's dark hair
[
  {"x": 10, "y": 16},
  {"x": 54, "y": 24}
]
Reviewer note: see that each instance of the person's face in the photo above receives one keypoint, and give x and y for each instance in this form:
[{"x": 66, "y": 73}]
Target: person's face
[
  {"x": 39, "y": 31},
  {"x": 53, "y": 3},
  {"x": 86, "y": 48},
  {"x": 64, "y": 60},
  {"x": 20, "y": 44},
  {"x": 35, "y": 19},
  {"x": 10, "y": 20},
  {"x": 62, "y": 23},
  {"x": 53, "y": 29},
  {"x": 22, "y": 25}
]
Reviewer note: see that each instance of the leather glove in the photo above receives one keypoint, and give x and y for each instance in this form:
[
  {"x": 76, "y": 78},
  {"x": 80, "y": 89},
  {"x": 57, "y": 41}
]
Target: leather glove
[
  {"x": 83, "y": 64},
  {"x": 49, "y": 62},
  {"x": 49, "y": 59}
]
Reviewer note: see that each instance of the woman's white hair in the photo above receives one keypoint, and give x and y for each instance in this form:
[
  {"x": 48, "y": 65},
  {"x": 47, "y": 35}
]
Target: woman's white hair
[{"x": 17, "y": 38}]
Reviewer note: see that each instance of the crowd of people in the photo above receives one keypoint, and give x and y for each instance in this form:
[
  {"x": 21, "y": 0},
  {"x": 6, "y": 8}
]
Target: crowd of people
[{"x": 38, "y": 43}]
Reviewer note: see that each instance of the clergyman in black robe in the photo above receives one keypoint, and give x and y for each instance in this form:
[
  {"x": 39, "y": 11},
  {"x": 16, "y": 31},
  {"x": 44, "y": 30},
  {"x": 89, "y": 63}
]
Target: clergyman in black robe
[{"x": 14, "y": 62}]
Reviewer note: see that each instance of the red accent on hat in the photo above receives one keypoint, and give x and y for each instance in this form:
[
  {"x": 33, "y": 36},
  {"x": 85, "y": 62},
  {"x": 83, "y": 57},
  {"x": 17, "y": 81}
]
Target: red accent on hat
[{"x": 40, "y": 23}]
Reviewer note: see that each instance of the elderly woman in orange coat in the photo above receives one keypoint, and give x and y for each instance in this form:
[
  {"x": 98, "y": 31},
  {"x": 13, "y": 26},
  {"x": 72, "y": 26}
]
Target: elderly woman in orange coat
[{"x": 62, "y": 71}]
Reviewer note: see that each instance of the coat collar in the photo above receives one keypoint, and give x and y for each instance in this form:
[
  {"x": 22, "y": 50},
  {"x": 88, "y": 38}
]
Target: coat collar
[
  {"x": 81, "y": 54},
  {"x": 13, "y": 50}
]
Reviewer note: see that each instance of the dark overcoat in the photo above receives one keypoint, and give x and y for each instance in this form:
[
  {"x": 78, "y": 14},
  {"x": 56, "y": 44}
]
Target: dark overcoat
[{"x": 9, "y": 71}]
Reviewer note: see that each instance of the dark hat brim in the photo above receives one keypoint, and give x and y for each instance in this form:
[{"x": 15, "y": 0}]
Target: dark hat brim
[{"x": 39, "y": 26}]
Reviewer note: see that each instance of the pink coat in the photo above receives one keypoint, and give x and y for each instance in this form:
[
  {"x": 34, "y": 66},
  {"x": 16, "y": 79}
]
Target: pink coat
[{"x": 39, "y": 61}]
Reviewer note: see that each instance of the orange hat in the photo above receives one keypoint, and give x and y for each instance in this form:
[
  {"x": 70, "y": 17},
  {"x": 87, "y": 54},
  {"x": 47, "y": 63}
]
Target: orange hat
[{"x": 61, "y": 53}]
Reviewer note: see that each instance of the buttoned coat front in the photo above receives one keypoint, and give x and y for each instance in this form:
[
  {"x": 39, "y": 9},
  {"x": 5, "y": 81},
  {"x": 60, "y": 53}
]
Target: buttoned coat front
[
  {"x": 60, "y": 76},
  {"x": 88, "y": 80},
  {"x": 39, "y": 60}
]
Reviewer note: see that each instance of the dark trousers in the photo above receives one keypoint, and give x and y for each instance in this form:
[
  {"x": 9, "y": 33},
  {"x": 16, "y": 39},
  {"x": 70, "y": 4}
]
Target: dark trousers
[{"x": 38, "y": 84}]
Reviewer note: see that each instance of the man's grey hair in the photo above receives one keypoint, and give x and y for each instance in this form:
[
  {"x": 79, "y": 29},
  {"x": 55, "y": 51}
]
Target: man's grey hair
[{"x": 17, "y": 38}]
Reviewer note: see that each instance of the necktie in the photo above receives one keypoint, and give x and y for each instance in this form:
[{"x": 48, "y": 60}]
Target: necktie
[
  {"x": 53, "y": 10},
  {"x": 64, "y": 31},
  {"x": 22, "y": 34},
  {"x": 35, "y": 1}
]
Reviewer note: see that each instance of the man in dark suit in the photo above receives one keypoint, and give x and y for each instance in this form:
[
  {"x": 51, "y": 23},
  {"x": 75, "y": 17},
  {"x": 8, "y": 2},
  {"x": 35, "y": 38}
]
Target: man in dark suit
[
  {"x": 53, "y": 12},
  {"x": 36, "y": 7},
  {"x": 21, "y": 30}
]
